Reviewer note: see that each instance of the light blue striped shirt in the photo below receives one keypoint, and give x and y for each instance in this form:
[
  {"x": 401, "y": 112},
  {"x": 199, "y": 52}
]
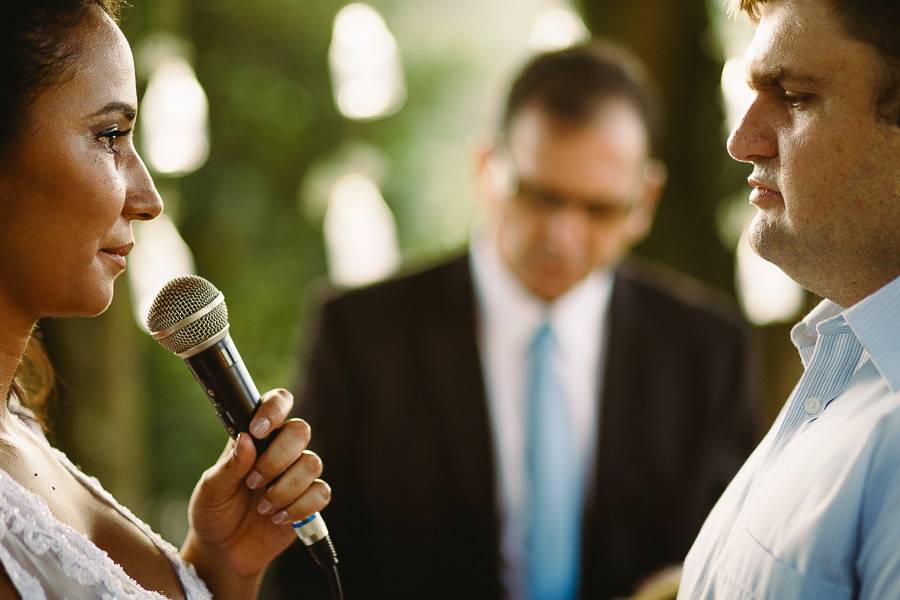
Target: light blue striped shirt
[{"x": 814, "y": 513}]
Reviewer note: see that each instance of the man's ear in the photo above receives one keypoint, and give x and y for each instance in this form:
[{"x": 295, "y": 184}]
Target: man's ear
[
  {"x": 491, "y": 176},
  {"x": 482, "y": 156},
  {"x": 653, "y": 181}
]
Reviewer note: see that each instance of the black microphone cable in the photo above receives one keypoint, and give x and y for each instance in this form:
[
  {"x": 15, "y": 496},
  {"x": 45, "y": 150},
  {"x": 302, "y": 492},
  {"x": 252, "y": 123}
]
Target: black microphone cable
[
  {"x": 189, "y": 318},
  {"x": 323, "y": 553},
  {"x": 334, "y": 583}
]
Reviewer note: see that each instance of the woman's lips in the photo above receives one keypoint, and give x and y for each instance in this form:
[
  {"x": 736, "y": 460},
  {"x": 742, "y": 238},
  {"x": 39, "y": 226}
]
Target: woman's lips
[{"x": 118, "y": 254}]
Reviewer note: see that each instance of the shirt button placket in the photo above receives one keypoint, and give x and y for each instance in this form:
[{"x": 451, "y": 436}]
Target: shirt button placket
[{"x": 812, "y": 405}]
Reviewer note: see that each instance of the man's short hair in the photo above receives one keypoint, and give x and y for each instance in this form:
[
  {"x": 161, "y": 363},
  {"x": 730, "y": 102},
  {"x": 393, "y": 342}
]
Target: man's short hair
[
  {"x": 873, "y": 22},
  {"x": 569, "y": 85}
]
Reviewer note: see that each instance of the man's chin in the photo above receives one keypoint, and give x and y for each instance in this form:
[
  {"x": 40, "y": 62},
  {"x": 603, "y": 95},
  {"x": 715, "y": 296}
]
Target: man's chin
[
  {"x": 549, "y": 289},
  {"x": 767, "y": 237}
]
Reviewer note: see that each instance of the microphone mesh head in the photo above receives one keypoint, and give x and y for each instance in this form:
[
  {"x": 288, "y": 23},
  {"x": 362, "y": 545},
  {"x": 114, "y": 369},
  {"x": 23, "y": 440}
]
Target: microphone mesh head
[{"x": 178, "y": 300}]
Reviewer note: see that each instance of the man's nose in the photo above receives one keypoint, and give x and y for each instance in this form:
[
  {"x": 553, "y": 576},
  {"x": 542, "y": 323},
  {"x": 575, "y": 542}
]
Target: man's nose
[
  {"x": 753, "y": 139},
  {"x": 567, "y": 228}
]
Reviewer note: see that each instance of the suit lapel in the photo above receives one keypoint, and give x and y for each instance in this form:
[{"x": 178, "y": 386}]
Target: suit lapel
[
  {"x": 621, "y": 369},
  {"x": 460, "y": 399}
]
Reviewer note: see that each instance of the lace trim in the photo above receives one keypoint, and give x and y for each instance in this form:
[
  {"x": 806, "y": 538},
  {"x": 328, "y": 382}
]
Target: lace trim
[
  {"x": 194, "y": 587},
  {"x": 28, "y": 517},
  {"x": 22, "y": 580}
]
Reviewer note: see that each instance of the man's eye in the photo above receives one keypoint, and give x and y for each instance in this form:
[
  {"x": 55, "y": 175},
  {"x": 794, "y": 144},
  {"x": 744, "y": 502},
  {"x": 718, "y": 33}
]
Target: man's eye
[
  {"x": 110, "y": 135},
  {"x": 795, "y": 99},
  {"x": 607, "y": 212},
  {"x": 537, "y": 198},
  {"x": 546, "y": 201}
]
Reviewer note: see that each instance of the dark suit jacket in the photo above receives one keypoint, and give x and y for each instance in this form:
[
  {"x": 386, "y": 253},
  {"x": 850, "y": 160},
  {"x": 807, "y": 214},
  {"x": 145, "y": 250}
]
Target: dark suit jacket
[{"x": 395, "y": 395}]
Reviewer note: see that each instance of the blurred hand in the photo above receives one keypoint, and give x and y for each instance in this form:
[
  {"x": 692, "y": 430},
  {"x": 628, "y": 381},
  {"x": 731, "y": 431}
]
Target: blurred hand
[{"x": 242, "y": 508}]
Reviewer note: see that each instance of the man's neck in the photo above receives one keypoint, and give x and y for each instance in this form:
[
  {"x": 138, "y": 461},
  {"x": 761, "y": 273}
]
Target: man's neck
[{"x": 853, "y": 290}]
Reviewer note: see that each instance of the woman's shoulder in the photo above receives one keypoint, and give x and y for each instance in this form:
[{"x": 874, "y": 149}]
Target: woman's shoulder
[
  {"x": 43, "y": 556},
  {"x": 23, "y": 536}
]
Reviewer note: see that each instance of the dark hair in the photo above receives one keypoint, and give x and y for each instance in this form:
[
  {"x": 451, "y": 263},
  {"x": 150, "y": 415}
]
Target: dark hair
[
  {"x": 873, "y": 22},
  {"x": 33, "y": 381},
  {"x": 36, "y": 49},
  {"x": 569, "y": 84}
]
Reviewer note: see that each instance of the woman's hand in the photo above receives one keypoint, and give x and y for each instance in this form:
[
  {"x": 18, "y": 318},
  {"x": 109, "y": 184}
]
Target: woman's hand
[{"x": 242, "y": 508}]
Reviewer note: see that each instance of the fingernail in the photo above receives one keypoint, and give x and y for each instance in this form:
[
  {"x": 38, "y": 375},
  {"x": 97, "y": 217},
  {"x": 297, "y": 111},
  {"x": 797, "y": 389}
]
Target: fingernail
[
  {"x": 281, "y": 518},
  {"x": 264, "y": 507},
  {"x": 236, "y": 448},
  {"x": 254, "y": 480},
  {"x": 260, "y": 427}
]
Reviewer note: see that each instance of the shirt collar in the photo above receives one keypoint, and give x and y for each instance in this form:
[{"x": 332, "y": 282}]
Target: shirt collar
[
  {"x": 513, "y": 312},
  {"x": 805, "y": 333},
  {"x": 576, "y": 316},
  {"x": 874, "y": 320}
]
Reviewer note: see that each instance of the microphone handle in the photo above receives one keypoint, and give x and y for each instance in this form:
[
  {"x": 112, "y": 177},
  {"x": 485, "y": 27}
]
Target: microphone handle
[
  {"x": 235, "y": 398},
  {"x": 229, "y": 387}
]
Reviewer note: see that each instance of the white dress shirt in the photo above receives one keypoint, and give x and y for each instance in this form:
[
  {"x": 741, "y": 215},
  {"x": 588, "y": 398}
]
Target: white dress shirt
[
  {"x": 814, "y": 514},
  {"x": 509, "y": 316}
]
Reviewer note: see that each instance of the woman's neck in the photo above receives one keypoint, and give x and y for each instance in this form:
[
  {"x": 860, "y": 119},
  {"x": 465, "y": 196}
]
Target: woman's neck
[{"x": 15, "y": 331}]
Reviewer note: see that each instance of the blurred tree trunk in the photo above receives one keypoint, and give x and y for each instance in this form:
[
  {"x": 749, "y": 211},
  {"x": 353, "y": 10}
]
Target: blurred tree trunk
[{"x": 676, "y": 42}]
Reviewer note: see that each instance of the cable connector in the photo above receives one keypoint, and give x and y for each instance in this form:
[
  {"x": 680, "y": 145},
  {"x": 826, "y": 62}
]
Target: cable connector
[
  {"x": 324, "y": 553},
  {"x": 313, "y": 532}
]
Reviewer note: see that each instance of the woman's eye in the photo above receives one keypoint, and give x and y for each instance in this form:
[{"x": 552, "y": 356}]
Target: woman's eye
[{"x": 108, "y": 137}]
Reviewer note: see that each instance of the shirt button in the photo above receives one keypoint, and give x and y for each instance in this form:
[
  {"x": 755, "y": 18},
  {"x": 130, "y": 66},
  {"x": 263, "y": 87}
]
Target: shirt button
[{"x": 812, "y": 405}]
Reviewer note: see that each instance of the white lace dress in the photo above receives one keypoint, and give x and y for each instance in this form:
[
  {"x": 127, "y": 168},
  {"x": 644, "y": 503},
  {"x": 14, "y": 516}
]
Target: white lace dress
[{"x": 47, "y": 559}]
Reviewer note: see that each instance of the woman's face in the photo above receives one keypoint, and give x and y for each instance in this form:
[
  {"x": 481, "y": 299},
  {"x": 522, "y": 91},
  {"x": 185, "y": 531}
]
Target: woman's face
[{"x": 73, "y": 183}]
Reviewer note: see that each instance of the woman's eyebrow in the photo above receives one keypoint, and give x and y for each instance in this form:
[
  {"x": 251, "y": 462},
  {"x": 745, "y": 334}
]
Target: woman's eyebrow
[{"x": 126, "y": 109}]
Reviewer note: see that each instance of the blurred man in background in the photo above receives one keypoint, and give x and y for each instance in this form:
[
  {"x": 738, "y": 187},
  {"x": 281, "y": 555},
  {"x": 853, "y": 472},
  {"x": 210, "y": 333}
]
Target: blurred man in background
[
  {"x": 815, "y": 512},
  {"x": 553, "y": 423}
]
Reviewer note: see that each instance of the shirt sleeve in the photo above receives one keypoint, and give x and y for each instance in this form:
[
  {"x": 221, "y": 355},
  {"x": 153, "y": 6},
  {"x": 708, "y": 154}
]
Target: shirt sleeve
[{"x": 878, "y": 561}]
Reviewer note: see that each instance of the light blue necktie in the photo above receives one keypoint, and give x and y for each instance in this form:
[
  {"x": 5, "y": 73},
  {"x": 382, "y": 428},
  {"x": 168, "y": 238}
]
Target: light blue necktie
[{"x": 553, "y": 538}]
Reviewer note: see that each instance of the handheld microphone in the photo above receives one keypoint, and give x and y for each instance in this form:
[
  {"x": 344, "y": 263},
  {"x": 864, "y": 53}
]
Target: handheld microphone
[{"x": 189, "y": 318}]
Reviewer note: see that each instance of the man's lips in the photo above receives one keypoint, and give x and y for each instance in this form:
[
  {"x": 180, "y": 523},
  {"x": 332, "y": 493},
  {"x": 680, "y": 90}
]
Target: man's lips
[{"x": 764, "y": 194}]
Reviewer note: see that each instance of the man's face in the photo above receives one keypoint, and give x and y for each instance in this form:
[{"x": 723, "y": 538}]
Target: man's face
[
  {"x": 576, "y": 197},
  {"x": 825, "y": 167}
]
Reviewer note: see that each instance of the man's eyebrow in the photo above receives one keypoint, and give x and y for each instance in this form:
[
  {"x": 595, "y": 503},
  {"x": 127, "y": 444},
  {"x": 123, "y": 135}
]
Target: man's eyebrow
[
  {"x": 129, "y": 111},
  {"x": 779, "y": 78}
]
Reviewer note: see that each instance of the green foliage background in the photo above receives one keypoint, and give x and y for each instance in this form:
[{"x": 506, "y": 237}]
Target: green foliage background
[{"x": 128, "y": 411}]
